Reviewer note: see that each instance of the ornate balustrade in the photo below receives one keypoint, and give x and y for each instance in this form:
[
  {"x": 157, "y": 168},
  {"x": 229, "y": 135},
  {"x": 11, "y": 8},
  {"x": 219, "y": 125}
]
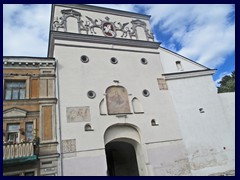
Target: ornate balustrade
[{"x": 18, "y": 151}]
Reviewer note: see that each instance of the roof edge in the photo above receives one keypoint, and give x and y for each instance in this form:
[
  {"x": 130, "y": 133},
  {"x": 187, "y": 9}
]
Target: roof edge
[
  {"x": 186, "y": 58},
  {"x": 105, "y": 10},
  {"x": 28, "y": 57}
]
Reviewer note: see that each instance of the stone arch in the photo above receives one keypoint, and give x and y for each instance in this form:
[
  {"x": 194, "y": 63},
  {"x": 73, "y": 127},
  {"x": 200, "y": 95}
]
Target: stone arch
[
  {"x": 129, "y": 135},
  {"x": 137, "y": 106},
  {"x": 120, "y": 132},
  {"x": 67, "y": 13},
  {"x": 117, "y": 100}
]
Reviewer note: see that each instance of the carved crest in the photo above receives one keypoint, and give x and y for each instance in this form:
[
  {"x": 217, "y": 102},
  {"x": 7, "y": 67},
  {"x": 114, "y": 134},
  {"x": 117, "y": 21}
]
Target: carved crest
[{"x": 109, "y": 29}]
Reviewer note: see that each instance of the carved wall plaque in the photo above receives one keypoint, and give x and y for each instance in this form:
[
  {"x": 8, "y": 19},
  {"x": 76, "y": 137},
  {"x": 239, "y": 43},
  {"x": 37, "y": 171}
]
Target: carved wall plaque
[
  {"x": 69, "y": 145},
  {"x": 117, "y": 100},
  {"x": 78, "y": 114}
]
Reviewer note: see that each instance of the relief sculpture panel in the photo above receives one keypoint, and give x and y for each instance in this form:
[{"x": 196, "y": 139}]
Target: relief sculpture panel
[
  {"x": 78, "y": 114},
  {"x": 117, "y": 100},
  {"x": 109, "y": 27},
  {"x": 69, "y": 145}
]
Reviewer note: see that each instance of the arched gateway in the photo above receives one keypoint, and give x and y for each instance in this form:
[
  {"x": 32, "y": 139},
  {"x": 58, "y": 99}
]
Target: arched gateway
[{"x": 124, "y": 153}]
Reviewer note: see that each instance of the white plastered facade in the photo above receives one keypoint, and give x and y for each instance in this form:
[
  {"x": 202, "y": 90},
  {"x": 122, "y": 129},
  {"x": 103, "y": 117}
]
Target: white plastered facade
[{"x": 182, "y": 142}]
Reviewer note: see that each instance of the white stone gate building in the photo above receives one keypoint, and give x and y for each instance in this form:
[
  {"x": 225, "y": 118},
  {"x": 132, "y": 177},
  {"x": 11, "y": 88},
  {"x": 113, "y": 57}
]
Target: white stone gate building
[{"x": 127, "y": 106}]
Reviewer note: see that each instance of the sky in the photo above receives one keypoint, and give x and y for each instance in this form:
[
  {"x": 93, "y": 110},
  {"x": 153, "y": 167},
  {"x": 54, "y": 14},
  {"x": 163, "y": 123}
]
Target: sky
[{"x": 202, "y": 33}]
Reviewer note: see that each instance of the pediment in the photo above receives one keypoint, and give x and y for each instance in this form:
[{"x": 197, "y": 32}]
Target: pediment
[
  {"x": 14, "y": 112},
  {"x": 70, "y": 12}
]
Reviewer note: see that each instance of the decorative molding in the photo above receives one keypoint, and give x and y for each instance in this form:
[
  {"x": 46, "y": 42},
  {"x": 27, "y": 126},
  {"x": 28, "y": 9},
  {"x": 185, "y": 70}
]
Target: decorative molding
[
  {"x": 188, "y": 74},
  {"x": 92, "y": 47},
  {"x": 108, "y": 28},
  {"x": 14, "y": 112},
  {"x": 101, "y": 40},
  {"x": 105, "y": 10},
  {"x": 28, "y": 62}
]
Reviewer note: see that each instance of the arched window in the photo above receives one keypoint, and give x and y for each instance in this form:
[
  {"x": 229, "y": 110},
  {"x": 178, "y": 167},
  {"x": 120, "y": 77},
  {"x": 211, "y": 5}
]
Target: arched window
[
  {"x": 88, "y": 127},
  {"x": 137, "y": 106}
]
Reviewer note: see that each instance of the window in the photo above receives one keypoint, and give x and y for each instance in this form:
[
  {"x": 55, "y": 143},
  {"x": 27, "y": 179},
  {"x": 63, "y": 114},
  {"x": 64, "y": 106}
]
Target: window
[
  {"x": 179, "y": 65},
  {"x": 88, "y": 127},
  {"x": 114, "y": 60},
  {"x": 91, "y": 94},
  {"x": 29, "y": 131},
  {"x": 144, "y": 61},
  {"x": 146, "y": 93},
  {"x": 162, "y": 84},
  {"x": 84, "y": 59},
  {"x": 13, "y": 132},
  {"x": 15, "y": 90}
]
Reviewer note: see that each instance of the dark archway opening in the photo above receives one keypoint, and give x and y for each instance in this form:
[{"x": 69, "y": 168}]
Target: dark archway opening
[{"x": 121, "y": 159}]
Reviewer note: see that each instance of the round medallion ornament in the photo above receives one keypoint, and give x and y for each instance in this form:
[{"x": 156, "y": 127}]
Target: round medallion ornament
[{"x": 109, "y": 29}]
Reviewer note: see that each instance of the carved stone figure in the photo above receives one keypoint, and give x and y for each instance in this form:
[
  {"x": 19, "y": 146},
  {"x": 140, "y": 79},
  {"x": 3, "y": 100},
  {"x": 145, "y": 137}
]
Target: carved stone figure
[
  {"x": 58, "y": 23},
  {"x": 108, "y": 28},
  {"x": 125, "y": 30},
  {"x": 94, "y": 25},
  {"x": 149, "y": 35}
]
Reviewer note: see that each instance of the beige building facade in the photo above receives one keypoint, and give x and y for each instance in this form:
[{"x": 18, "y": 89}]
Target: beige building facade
[{"x": 29, "y": 118}]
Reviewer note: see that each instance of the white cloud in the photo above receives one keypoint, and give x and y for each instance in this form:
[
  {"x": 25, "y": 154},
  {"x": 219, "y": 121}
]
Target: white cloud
[
  {"x": 25, "y": 30},
  {"x": 202, "y": 31}
]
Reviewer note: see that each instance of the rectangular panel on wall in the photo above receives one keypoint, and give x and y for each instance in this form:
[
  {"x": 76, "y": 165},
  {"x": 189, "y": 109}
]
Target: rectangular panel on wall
[
  {"x": 34, "y": 88},
  {"x": 78, "y": 114},
  {"x": 47, "y": 122},
  {"x": 43, "y": 87},
  {"x": 50, "y": 88}
]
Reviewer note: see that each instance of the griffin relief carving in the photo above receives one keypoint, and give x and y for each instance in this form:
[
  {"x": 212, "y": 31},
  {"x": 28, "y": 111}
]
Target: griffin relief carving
[
  {"x": 94, "y": 24},
  {"x": 122, "y": 27},
  {"x": 57, "y": 24}
]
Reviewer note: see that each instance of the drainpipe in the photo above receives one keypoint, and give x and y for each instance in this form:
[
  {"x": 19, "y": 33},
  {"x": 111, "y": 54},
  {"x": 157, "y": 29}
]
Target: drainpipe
[{"x": 59, "y": 118}]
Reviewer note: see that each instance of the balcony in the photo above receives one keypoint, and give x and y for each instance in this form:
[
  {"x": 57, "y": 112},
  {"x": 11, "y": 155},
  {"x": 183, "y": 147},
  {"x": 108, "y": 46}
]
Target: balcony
[{"x": 18, "y": 153}]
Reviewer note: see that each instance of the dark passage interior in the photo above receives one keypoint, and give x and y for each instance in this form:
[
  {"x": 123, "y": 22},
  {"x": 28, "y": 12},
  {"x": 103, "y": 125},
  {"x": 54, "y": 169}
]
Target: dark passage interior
[{"x": 121, "y": 159}]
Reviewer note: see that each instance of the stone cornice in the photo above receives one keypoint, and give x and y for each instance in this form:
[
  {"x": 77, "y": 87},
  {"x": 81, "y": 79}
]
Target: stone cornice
[
  {"x": 28, "y": 62},
  {"x": 29, "y": 101},
  {"x": 100, "y": 39},
  {"x": 27, "y": 74},
  {"x": 188, "y": 74},
  {"x": 105, "y": 10}
]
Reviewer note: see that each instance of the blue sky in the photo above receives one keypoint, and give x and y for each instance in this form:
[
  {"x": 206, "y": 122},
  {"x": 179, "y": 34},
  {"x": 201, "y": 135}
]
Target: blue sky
[{"x": 203, "y": 33}]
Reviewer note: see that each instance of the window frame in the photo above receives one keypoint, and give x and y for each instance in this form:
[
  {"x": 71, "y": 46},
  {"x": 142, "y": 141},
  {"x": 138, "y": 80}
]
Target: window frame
[
  {"x": 15, "y": 90},
  {"x": 22, "y": 124},
  {"x": 16, "y": 78},
  {"x": 179, "y": 65},
  {"x": 17, "y": 140},
  {"x": 28, "y": 122}
]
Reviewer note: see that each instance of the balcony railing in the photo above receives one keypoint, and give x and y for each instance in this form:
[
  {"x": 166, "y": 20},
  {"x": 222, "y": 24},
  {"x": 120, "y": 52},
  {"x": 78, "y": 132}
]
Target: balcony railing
[{"x": 21, "y": 151}]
